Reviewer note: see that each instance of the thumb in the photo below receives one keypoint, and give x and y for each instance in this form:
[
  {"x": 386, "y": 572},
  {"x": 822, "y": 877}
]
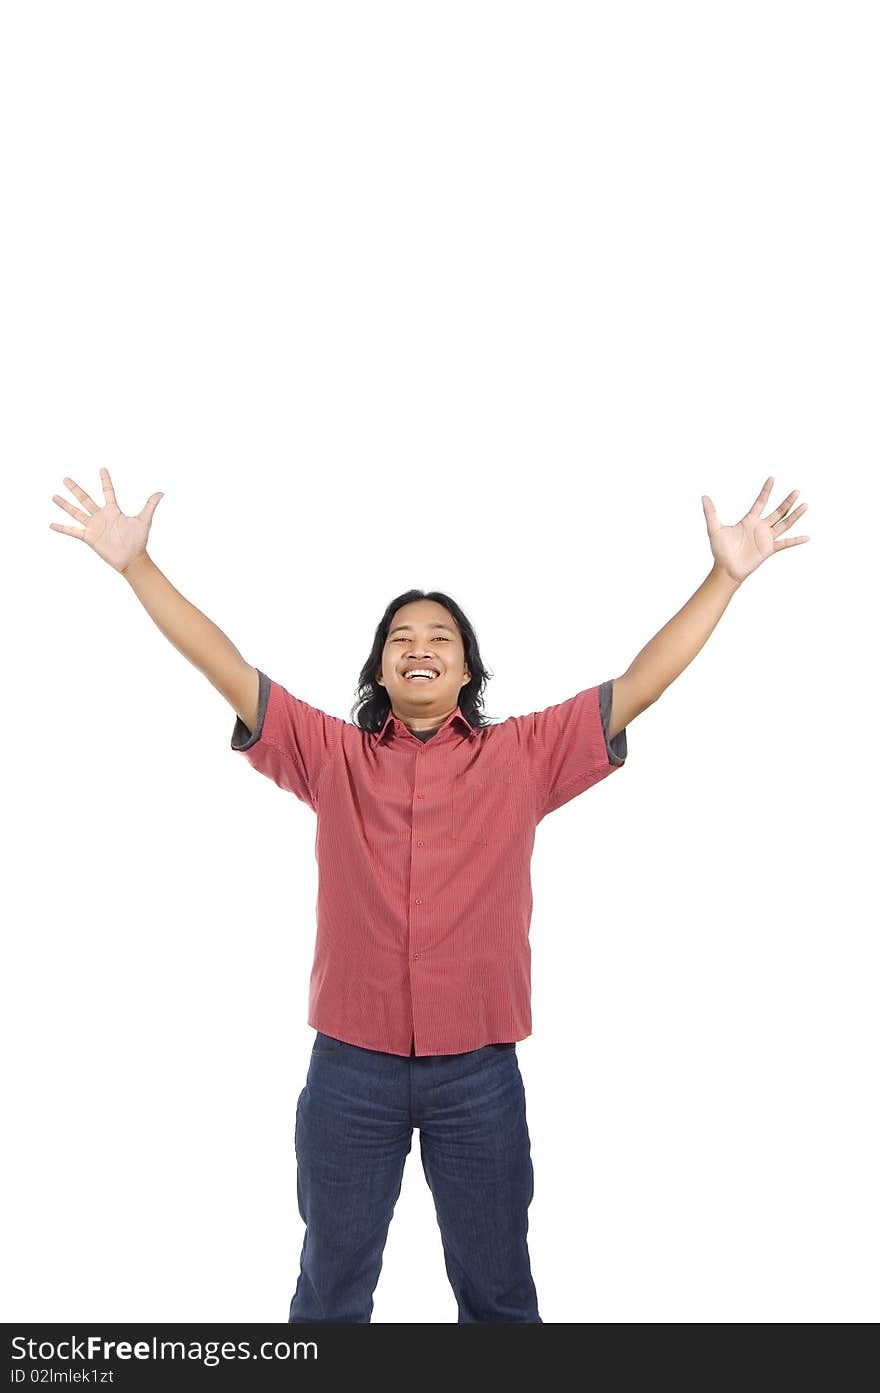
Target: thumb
[
  {"x": 149, "y": 507},
  {"x": 710, "y": 513}
]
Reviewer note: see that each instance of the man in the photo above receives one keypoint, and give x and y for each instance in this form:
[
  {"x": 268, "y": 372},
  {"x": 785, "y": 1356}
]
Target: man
[{"x": 420, "y": 983}]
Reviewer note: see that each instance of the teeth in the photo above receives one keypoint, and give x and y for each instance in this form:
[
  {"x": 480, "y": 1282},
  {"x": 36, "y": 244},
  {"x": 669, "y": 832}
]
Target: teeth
[{"x": 420, "y": 672}]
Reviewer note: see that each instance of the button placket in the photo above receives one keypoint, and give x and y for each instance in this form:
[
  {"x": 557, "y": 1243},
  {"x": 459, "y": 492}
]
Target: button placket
[{"x": 414, "y": 957}]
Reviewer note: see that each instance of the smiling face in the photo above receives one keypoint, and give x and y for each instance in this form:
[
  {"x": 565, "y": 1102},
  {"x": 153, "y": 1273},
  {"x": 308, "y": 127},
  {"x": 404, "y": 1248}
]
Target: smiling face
[{"x": 423, "y": 635}]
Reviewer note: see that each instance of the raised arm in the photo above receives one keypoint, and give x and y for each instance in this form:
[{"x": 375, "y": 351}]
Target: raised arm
[
  {"x": 669, "y": 651},
  {"x": 737, "y": 551},
  {"x": 121, "y": 541},
  {"x": 196, "y": 637}
]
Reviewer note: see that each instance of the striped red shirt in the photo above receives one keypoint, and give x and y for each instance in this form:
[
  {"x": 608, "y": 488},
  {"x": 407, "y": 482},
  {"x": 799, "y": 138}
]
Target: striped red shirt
[{"x": 424, "y": 848}]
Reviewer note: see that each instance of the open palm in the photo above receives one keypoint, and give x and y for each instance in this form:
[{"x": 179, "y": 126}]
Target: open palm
[
  {"x": 740, "y": 548},
  {"x": 116, "y": 538}
]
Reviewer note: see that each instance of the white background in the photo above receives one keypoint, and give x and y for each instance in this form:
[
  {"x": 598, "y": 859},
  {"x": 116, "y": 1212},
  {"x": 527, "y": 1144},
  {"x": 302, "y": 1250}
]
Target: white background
[{"x": 480, "y": 297}]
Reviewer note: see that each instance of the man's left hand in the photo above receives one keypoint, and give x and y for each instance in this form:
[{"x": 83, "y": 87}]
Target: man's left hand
[{"x": 739, "y": 549}]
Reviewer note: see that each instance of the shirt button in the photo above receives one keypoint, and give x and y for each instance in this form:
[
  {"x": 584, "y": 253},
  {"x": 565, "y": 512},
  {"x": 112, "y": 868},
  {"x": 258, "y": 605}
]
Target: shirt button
[
  {"x": 418, "y": 901},
  {"x": 416, "y": 955},
  {"x": 420, "y": 843},
  {"x": 420, "y": 795}
]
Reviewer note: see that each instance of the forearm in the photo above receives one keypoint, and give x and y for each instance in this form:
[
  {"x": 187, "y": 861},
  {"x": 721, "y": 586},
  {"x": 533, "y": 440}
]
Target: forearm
[
  {"x": 192, "y": 633},
  {"x": 678, "y": 642}
]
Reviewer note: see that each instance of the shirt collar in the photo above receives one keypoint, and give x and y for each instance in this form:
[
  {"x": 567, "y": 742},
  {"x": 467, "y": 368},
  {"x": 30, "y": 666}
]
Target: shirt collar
[{"x": 457, "y": 715}]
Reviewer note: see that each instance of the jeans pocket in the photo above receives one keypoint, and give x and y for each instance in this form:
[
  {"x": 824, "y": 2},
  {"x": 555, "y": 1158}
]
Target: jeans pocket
[{"x": 326, "y": 1044}]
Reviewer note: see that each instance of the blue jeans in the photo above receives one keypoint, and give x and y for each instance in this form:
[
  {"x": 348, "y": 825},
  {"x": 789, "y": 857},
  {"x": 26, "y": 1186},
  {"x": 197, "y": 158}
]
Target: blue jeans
[{"x": 353, "y": 1133}]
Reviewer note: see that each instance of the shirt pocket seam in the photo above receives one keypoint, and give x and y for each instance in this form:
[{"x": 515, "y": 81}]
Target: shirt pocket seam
[{"x": 462, "y": 797}]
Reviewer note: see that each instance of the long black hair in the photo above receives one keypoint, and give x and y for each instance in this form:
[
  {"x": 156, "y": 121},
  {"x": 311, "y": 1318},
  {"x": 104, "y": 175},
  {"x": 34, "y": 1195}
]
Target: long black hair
[{"x": 373, "y": 702}]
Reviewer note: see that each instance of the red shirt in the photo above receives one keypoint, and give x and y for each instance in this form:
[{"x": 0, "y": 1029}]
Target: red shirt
[{"x": 424, "y": 850}]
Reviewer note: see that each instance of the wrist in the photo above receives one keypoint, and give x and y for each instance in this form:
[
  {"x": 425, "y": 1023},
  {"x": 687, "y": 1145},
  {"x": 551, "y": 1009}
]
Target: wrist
[
  {"x": 136, "y": 565},
  {"x": 723, "y": 579}
]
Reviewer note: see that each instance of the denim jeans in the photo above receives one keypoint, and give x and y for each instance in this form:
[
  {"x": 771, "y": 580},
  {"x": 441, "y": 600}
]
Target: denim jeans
[{"x": 353, "y": 1133}]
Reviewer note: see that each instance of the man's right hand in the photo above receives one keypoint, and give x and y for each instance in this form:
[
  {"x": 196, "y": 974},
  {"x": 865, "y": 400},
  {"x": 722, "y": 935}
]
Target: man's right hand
[{"x": 118, "y": 540}]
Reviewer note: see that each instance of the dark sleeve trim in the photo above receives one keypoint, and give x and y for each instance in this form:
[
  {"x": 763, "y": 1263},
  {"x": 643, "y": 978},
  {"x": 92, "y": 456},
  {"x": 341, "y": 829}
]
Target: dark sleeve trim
[
  {"x": 615, "y": 748},
  {"x": 242, "y": 738}
]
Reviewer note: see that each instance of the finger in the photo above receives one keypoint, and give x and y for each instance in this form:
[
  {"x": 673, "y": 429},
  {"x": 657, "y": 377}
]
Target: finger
[
  {"x": 759, "y": 502},
  {"x": 149, "y": 507},
  {"x": 709, "y": 513},
  {"x": 109, "y": 495},
  {"x": 783, "y": 508},
  {"x": 789, "y": 542},
  {"x": 69, "y": 508},
  {"x": 787, "y": 522},
  {"x": 81, "y": 494},
  {"x": 71, "y": 531}
]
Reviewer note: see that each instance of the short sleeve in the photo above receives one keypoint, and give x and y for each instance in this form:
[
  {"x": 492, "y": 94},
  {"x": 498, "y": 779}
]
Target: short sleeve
[
  {"x": 566, "y": 747},
  {"x": 615, "y": 748},
  {"x": 291, "y": 743}
]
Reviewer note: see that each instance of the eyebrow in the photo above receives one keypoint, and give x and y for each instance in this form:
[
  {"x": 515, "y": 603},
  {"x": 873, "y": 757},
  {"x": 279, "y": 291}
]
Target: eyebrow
[{"x": 432, "y": 625}]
